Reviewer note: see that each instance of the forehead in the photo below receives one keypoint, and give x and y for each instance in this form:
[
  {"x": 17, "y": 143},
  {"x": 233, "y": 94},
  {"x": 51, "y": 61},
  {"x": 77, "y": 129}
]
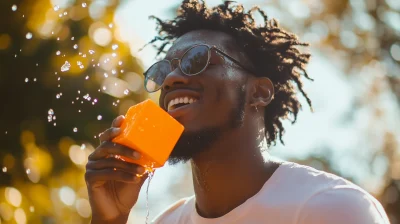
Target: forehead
[{"x": 220, "y": 39}]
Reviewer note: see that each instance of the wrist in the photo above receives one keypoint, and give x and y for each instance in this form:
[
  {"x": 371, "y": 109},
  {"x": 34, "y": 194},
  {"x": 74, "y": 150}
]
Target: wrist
[{"x": 122, "y": 219}]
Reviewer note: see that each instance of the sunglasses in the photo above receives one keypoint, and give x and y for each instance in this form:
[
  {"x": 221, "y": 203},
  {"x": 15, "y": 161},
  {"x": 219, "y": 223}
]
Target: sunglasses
[{"x": 193, "y": 62}]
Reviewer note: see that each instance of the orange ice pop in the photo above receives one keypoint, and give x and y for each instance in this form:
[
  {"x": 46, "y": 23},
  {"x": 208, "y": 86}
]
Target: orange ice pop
[{"x": 150, "y": 130}]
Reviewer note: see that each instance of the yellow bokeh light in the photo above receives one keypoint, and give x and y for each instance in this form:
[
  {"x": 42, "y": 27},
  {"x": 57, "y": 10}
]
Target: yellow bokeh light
[
  {"x": 102, "y": 36},
  {"x": 13, "y": 196},
  {"x": 5, "y": 41},
  {"x": 6, "y": 211},
  {"x": 77, "y": 155},
  {"x": 83, "y": 208},
  {"x": 19, "y": 216}
]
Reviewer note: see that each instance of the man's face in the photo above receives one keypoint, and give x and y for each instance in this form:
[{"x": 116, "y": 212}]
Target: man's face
[{"x": 219, "y": 93}]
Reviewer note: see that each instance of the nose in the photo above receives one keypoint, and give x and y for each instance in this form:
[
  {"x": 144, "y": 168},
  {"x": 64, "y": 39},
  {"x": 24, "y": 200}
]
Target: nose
[{"x": 175, "y": 78}]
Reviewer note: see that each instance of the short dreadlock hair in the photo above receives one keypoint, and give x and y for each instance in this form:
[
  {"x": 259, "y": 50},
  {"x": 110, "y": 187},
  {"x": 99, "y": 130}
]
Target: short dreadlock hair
[{"x": 272, "y": 50}]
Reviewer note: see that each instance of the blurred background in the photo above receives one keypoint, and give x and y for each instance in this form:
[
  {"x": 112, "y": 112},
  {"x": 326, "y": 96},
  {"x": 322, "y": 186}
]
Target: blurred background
[{"x": 69, "y": 67}]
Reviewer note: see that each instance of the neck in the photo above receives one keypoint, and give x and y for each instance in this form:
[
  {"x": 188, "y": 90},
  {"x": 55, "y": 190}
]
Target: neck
[{"x": 228, "y": 173}]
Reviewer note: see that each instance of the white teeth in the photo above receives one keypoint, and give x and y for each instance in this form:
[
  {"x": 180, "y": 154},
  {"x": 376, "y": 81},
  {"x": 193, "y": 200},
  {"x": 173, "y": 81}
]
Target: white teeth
[{"x": 179, "y": 100}]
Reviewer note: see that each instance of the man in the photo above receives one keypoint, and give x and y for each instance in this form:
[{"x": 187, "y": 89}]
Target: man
[{"x": 230, "y": 83}]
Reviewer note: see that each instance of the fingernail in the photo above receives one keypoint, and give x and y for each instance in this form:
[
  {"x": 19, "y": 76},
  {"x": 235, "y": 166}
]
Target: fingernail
[
  {"x": 136, "y": 155},
  {"x": 140, "y": 169}
]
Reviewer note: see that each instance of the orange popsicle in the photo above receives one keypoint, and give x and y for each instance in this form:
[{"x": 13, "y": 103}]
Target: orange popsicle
[{"x": 150, "y": 130}]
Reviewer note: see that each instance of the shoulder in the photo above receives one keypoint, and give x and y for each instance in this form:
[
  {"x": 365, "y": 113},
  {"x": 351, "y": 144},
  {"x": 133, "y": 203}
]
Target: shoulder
[
  {"x": 342, "y": 204},
  {"x": 175, "y": 212}
]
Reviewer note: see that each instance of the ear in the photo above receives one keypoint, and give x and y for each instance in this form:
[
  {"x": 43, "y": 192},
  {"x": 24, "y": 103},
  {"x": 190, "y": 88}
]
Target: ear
[{"x": 262, "y": 92}]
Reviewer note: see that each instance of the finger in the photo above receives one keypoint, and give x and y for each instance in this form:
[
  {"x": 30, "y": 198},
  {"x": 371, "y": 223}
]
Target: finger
[
  {"x": 110, "y": 174},
  {"x": 112, "y": 163},
  {"x": 109, "y": 134},
  {"x": 118, "y": 121},
  {"x": 107, "y": 148}
]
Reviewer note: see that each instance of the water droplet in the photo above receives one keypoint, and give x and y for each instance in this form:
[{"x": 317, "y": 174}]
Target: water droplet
[
  {"x": 65, "y": 13},
  {"x": 14, "y": 8},
  {"x": 72, "y": 38},
  {"x": 37, "y": 64},
  {"x": 104, "y": 88},
  {"x": 26, "y": 80},
  {"x": 75, "y": 129},
  {"x": 83, "y": 55},
  {"x": 87, "y": 77},
  {"x": 58, "y": 38},
  {"x": 34, "y": 79},
  {"x": 114, "y": 46},
  {"x": 32, "y": 209},
  {"x": 79, "y": 63},
  {"x": 60, "y": 15},
  {"x": 105, "y": 74},
  {"x": 99, "y": 117},
  {"x": 6, "y": 132},
  {"x": 29, "y": 35},
  {"x": 58, "y": 52},
  {"x": 114, "y": 55},
  {"x": 58, "y": 79},
  {"x": 23, "y": 16},
  {"x": 110, "y": 25},
  {"x": 126, "y": 92},
  {"x": 79, "y": 111},
  {"x": 51, "y": 112},
  {"x": 4, "y": 169},
  {"x": 15, "y": 55},
  {"x": 76, "y": 46},
  {"x": 28, "y": 171},
  {"x": 56, "y": 8},
  {"x": 120, "y": 63},
  {"x": 114, "y": 71},
  {"x": 79, "y": 92},
  {"x": 91, "y": 51},
  {"x": 122, "y": 71},
  {"x": 55, "y": 124},
  {"x": 66, "y": 66},
  {"x": 84, "y": 5},
  {"x": 95, "y": 100},
  {"x": 81, "y": 66},
  {"x": 58, "y": 96},
  {"x": 83, "y": 146}
]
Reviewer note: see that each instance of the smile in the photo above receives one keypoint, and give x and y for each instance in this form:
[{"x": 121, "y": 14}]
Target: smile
[{"x": 180, "y": 102}]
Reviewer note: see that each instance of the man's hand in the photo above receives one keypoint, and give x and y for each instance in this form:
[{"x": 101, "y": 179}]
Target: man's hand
[{"x": 113, "y": 184}]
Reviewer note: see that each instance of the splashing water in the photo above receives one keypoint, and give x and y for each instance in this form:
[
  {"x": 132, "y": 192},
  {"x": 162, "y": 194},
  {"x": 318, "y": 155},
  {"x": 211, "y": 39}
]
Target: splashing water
[
  {"x": 75, "y": 129},
  {"x": 66, "y": 66},
  {"x": 26, "y": 80},
  {"x": 110, "y": 25},
  {"x": 87, "y": 77},
  {"x": 4, "y": 169},
  {"x": 14, "y": 8},
  {"x": 83, "y": 146},
  {"x": 114, "y": 47},
  {"x": 126, "y": 92},
  {"x": 56, "y": 8},
  {"x": 120, "y": 63},
  {"x": 58, "y": 52},
  {"x": 99, "y": 117},
  {"x": 34, "y": 79},
  {"x": 51, "y": 112},
  {"x": 84, "y": 5},
  {"x": 150, "y": 171},
  {"x": 29, "y": 35},
  {"x": 58, "y": 96},
  {"x": 91, "y": 51},
  {"x": 75, "y": 46}
]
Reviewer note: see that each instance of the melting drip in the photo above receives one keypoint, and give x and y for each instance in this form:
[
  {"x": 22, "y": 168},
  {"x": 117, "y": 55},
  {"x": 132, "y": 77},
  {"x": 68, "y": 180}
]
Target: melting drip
[{"x": 151, "y": 174}]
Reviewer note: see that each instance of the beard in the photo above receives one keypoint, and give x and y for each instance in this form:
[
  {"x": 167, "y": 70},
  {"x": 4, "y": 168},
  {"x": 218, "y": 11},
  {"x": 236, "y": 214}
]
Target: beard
[{"x": 192, "y": 143}]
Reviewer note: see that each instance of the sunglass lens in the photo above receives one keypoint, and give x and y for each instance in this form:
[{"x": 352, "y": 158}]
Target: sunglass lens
[
  {"x": 155, "y": 76},
  {"x": 195, "y": 60}
]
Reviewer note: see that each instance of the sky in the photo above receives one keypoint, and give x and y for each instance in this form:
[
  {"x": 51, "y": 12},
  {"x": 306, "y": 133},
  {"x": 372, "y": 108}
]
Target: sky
[{"x": 332, "y": 94}]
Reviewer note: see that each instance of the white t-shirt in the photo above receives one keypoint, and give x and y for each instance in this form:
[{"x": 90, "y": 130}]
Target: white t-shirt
[{"x": 295, "y": 194}]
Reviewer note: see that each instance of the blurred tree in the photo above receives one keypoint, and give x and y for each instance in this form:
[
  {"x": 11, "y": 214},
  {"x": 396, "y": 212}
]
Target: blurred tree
[{"x": 64, "y": 76}]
